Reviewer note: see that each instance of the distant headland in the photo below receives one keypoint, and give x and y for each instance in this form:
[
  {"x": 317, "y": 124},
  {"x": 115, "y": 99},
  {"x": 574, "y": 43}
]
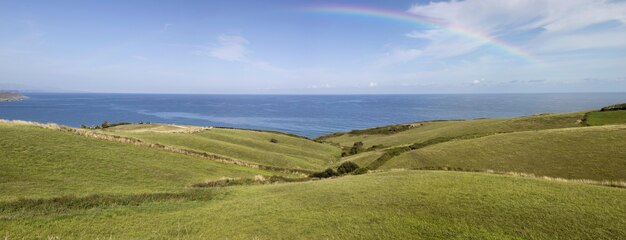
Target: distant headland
[{"x": 11, "y": 96}]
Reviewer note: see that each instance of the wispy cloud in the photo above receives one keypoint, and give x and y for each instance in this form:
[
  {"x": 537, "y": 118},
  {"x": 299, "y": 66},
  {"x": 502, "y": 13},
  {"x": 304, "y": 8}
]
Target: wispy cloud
[
  {"x": 166, "y": 27},
  {"x": 538, "y": 26},
  {"x": 233, "y": 48},
  {"x": 230, "y": 48}
]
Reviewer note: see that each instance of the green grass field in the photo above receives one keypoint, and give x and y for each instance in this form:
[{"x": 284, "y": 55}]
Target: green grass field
[
  {"x": 597, "y": 118},
  {"x": 38, "y": 162},
  {"x": 392, "y": 205},
  {"x": 596, "y": 153},
  {"x": 456, "y": 129},
  {"x": 251, "y": 146},
  {"x": 60, "y": 185}
]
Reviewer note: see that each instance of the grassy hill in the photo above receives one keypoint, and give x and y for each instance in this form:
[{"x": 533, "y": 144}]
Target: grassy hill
[
  {"x": 58, "y": 184},
  {"x": 248, "y": 145},
  {"x": 596, "y": 153},
  {"x": 38, "y": 162},
  {"x": 598, "y": 118},
  {"x": 421, "y": 132},
  {"x": 391, "y": 205}
]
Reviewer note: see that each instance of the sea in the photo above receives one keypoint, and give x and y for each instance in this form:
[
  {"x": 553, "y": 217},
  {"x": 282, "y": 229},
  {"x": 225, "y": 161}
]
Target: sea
[{"x": 305, "y": 115}]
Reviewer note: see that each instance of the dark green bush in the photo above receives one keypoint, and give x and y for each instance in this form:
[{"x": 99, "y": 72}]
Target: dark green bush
[
  {"x": 357, "y": 147},
  {"x": 329, "y": 172},
  {"x": 274, "y": 140},
  {"x": 347, "y": 167}
]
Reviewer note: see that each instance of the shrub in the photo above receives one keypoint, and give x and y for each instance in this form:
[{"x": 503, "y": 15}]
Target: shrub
[
  {"x": 105, "y": 124},
  {"x": 329, "y": 172},
  {"x": 347, "y": 167},
  {"x": 274, "y": 140},
  {"x": 357, "y": 147}
]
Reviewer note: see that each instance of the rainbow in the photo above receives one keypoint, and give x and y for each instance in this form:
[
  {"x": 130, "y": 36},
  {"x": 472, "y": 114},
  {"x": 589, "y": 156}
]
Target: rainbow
[{"x": 431, "y": 23}]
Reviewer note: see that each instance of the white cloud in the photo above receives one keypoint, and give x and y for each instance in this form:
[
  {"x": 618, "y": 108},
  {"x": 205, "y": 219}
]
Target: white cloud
[
  {"x": 373, "y": 84},
  {"x": 476, "y": 82},
  {"x": 233, "y": 48},
  {"x": 493, "y": 16},
  {"x": 547, "y": 26},
  {"x": 230, "y": 48}
]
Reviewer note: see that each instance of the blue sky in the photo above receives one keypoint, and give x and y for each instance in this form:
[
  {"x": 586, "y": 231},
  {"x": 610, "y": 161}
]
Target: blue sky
[{"x": 298, "y": 47}]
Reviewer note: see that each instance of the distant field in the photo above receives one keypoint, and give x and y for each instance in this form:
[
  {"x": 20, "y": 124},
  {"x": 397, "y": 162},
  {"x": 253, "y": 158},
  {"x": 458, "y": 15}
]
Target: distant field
[
  {"x": 37, "y": 162},
  {"x": 606, "y": 117},
  {"x": 252, "y": 146},
  {"x": 164, "y": 128},
  {"x": 597, "y": 153},
  {"x": 454, "y": 129},
  {"x": 392, "y": 205}
]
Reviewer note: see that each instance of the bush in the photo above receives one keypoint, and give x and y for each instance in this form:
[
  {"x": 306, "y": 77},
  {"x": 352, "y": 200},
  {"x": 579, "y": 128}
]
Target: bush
[
  {"x": 105, "y": 124},
  {"x": 329, "y": 172},
  {"x": 347, "y": 167},
  {"x": 357, "y": 147},
  {"x": 273, "y": 140}
]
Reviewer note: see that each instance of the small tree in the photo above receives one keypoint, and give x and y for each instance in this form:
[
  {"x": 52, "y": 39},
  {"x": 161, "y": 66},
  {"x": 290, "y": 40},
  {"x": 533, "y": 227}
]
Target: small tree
[
  {"x": 357, "y": 147},
  {"x": 273, "y": 140},
  {"x": 105, "y": 124},
  {"x": 83, "y": 126},
  {"x": 347, "y": 167}
]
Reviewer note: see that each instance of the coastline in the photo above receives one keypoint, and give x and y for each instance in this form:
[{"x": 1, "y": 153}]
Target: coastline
[{"x": 12, "y": 97}]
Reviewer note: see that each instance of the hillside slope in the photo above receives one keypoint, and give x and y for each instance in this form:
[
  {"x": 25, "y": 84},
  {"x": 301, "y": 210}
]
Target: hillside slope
[
  {"x": 597, "y": 153},
  {"x": 392, "y": 205},
  {"x": 421, "y": 132},
  {"x": 248, "y": 145},
  {"x": 38, "y": 162}
]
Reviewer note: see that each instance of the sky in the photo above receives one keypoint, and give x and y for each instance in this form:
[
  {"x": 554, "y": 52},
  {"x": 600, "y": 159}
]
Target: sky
[{"x": 313, "y": 47}]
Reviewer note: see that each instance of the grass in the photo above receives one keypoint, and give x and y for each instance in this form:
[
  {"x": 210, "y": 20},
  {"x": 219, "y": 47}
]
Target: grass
[
  {"x": 595, "y": 153},
  {"x": 363, "y": 159},
  {"x": 391, "y": 205},
  {"x": 246, "y": 145},
  {"x": 454, "y": 129},
  {"x": 57, "y": 184},
  {"x": 38, "y": 162},
  {"x": 606, "y": 117},
  {"x": 151, "y": 127}
]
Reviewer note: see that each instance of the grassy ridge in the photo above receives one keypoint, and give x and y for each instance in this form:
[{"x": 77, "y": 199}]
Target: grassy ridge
[
  {"x": 598, "y": 118},
  {"x": 453, "y": 129},
  {"x": 393, "y": 205},
  {"x": 251, "y": 146},
  {"x": 38, "y": 162},
  {"x": 595, "y": 153}
]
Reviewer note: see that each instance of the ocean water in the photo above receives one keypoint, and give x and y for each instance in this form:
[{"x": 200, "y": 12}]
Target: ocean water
[{"x": 306, "y": 115}]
